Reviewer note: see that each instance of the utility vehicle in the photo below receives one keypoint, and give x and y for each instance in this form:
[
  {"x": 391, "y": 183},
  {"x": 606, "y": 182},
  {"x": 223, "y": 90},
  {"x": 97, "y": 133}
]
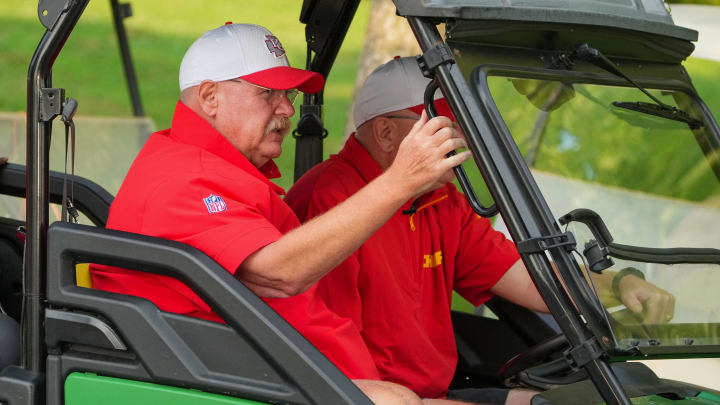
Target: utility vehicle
[{"x": 586, "y": 129}]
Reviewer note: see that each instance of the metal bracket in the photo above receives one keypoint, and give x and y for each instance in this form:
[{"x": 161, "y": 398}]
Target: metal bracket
[
  {"x": 434, "y": 57},
  {"x": 589, "y": 350},
  {"x": 124, "y": 10},
  {"x": 51, "y": 103},
  {"x": 543, "y": 243},
  {"x": 310, "y": 123},
  {"x": 49, "y": 11}
]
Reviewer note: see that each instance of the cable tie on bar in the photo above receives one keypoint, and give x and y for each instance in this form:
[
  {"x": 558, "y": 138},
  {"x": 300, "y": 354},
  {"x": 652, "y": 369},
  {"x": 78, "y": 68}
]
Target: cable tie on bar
[
  {"x": 588, "y": 351},
  {"x": 543, "y": 243},
  {"x": 434, "y": 57}
]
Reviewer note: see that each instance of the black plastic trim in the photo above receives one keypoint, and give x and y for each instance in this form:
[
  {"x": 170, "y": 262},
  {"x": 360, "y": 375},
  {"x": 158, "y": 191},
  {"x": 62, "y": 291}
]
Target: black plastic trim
[
  {"x": 21, "y": 387},
  {"x": 636, "y": 253},
  {"x": 91, "y": 199},
  {"x": 311, "y": 378},
  {"x": 665, "y": 256},
  {"x": 65, "y": 326}
]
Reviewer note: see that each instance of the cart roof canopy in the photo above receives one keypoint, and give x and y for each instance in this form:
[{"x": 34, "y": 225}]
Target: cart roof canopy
[{"x": 649, "y": 16}]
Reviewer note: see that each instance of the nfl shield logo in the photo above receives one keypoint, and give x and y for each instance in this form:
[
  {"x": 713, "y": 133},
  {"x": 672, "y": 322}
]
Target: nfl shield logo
[{"x": 214, "y": 203}]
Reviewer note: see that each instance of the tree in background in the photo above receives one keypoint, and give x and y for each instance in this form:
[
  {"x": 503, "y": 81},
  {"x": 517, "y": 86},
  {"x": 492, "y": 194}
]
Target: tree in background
[{"x": 387, "y": 36}]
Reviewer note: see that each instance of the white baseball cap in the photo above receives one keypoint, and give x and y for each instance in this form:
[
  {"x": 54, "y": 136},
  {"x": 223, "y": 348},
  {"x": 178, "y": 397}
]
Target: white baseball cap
[
  {"x": 397, "y": 85},
  {"x": 245, "y": 51}
]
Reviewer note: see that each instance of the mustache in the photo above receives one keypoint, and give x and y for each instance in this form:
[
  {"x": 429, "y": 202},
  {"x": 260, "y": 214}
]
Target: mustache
[{"x": 280, "y": 124}]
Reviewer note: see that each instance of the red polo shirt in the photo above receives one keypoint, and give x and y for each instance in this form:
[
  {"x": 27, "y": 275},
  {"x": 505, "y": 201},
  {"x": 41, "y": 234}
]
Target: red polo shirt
[
  {"x": 189, "y": 184},
  {"x": 397, "y": 287}
]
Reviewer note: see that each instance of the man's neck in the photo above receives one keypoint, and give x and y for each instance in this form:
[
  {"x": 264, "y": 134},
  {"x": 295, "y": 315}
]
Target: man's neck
[{"x": 378, "y": 155}]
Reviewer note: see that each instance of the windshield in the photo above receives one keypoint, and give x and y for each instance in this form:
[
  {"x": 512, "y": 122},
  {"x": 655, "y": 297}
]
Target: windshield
[
  {"x": 653, "y": 180},
  {"x": 104, "y": 149}
]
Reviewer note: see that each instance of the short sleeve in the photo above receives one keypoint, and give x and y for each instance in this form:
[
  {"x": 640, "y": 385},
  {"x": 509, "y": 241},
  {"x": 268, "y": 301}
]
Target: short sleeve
[
  {"x": 483, "y": 257},
  {"x": 227, "y": 225}
]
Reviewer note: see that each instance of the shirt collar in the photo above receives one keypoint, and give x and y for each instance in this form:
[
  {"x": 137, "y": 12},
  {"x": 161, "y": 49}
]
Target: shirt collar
[
  {"x": 190, "y": 129},
  {"x": 359, "y": 157}
]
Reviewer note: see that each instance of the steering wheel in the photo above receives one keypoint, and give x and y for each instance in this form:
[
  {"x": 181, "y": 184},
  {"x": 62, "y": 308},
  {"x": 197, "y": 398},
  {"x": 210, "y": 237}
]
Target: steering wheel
[{"x": 542, "y": 366}]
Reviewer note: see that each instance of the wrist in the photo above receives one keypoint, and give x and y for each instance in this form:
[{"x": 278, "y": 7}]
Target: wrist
[
  {"x": 395, "y": 187},
  {"x": 628, "y": 271}
]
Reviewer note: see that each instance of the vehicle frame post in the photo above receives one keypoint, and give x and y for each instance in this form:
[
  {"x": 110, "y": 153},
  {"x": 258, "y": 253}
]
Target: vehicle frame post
[
  {"x": 59, "y": 22},
  {"x": 524, "y": 210},
  {"x": 325, "y": 44},
  {"x": 121, "y": 11}
]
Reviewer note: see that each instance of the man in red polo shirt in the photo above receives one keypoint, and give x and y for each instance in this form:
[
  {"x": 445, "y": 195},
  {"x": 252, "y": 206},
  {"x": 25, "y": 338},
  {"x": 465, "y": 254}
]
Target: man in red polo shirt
[
  {"x": 205, "y": 182},
  {"x": 397, "y": 287}
]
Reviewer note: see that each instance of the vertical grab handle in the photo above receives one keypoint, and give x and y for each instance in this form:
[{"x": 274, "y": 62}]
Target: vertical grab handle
[{"x": 467, "y": 188}]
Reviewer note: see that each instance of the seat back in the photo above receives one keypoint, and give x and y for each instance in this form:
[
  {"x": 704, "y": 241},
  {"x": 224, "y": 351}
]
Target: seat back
[
  {"x": 256, "y": 356},
  {"x": 11, "y": 263},
  {"x": 10, "y": 342}
]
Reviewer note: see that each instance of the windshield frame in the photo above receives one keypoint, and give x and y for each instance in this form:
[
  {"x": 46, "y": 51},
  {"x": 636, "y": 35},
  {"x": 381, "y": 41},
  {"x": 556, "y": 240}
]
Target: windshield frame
[{"x": 707, "y": 137}]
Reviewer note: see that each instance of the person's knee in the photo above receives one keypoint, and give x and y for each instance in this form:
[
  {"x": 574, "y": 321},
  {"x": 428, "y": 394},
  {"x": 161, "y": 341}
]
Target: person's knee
[
  {"x": 520, "y": 396},
  {"x": 387, "y": 393}
]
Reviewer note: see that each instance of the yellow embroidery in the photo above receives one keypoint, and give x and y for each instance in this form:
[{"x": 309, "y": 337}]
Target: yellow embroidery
[
  {"x": 412, "y": 224},
  {"x": 433, "y": 260}
]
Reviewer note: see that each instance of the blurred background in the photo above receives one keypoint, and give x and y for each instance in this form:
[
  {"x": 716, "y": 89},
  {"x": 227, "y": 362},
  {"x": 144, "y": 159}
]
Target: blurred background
[{"x": 160, "y": 31}]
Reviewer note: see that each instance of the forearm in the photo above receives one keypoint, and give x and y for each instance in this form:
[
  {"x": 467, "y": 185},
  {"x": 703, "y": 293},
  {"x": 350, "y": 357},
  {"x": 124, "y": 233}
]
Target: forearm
[
  {"x": 603, "y": 285},
  {"x": 300, "y": 258}
]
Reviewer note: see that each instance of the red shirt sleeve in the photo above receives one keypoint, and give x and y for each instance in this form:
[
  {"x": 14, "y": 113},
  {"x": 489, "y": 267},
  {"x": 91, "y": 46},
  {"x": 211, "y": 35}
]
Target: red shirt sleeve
[
  {"x": 339, "y": 288},
  {"x": 337, "y": 338},
  {"x": 178, "y": 212},
  {"x": 483, "y": 257}
]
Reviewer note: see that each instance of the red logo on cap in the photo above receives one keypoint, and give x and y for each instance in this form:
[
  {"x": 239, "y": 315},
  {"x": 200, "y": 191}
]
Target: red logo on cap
[{"x": 274, "y": 46}]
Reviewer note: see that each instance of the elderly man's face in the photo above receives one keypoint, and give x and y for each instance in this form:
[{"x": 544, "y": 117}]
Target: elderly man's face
[
  {"x": 254, "y": 120},
  {"x": 404, "y": 121}
]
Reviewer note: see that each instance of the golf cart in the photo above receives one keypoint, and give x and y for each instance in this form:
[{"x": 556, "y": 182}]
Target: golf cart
[{"x": 561, "y": 106}]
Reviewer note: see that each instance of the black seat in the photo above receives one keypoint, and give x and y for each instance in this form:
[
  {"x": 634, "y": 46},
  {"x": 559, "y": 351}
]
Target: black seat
[
  {"x": 10, "y": 268},
  {"x": 10, "y": 345},
  {"x": 91, "y": 200}
]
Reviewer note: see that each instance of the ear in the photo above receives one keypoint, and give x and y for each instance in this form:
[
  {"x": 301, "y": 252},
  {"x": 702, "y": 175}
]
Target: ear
[
  {"x": 207, "y": 94},
  {"x": 385, "y": 133}
]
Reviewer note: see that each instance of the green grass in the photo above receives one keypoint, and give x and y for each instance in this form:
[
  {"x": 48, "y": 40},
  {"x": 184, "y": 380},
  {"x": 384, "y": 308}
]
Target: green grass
[
  {"x": 705, "y": 74},
  {"x": 90, "y": 70}
]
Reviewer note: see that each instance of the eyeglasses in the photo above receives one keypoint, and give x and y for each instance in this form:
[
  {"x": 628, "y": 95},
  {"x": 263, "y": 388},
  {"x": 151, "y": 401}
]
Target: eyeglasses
[
  {"x": 407, "y": 117},
  {"x": 415, "y": 118},
  {"x": 273, "y": 94}
]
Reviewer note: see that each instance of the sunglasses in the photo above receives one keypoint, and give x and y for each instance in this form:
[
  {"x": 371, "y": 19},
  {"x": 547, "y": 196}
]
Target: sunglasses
[{"x": 273, "y": 94}]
